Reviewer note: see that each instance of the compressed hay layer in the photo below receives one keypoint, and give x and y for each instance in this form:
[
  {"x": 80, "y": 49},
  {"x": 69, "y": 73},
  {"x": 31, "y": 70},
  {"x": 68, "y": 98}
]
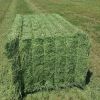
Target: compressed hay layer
[{"x": 51, "y": 53}]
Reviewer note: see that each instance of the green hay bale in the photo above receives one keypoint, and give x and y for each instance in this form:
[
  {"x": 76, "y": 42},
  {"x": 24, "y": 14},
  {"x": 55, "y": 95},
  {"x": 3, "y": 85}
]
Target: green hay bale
[{"x": 51, "y": 53}]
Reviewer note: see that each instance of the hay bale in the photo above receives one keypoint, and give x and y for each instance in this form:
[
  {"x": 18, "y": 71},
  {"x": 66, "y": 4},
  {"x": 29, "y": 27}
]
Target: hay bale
[{"x": 51, "y": 53}]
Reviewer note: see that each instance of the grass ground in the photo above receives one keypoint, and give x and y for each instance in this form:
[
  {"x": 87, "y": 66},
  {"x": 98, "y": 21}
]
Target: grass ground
[{"x": 85, "y": 14}]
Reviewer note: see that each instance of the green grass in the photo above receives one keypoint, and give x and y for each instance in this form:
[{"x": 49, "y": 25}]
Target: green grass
[
  {"x": 85, "y": 14},
  {"x": 66, "y": 94}
]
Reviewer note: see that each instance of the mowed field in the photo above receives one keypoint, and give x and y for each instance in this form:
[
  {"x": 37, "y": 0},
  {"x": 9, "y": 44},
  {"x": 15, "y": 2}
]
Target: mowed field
[{"x": 85, "y": 14}]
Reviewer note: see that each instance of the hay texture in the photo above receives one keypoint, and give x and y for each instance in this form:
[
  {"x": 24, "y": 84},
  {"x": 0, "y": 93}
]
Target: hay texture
[{"x": 47, "y": 53}]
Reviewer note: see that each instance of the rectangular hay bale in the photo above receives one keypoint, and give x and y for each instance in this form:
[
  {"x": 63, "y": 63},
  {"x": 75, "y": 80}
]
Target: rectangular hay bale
[{"x": 52, "y": 53}]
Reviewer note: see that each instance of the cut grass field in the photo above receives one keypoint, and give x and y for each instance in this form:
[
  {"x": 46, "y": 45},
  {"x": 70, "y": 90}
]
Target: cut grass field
[{"x": 85, "y": 14}]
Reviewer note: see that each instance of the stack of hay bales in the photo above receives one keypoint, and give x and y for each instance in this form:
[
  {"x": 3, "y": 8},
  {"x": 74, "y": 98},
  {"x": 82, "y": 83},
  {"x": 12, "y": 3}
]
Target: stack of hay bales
[{"x": 47, "y": 52}]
